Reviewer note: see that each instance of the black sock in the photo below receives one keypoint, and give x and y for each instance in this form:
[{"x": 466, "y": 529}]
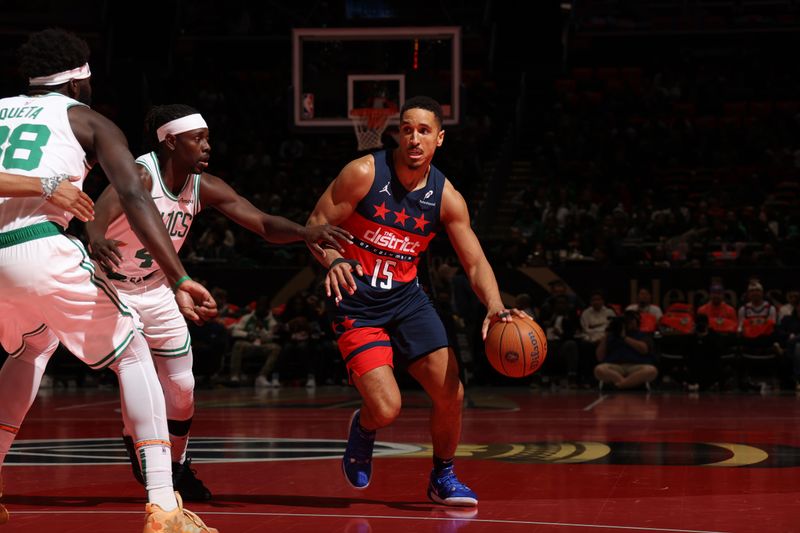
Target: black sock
[
  {"x": 365, "y": 433},
  {"x": 440, "y": 464}
]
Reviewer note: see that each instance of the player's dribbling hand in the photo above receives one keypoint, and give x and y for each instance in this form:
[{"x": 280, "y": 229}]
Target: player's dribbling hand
[
  {"x": 326, "y": 236},
  {"x": 106, "y": 252},
  {"x": 195, "y": 302},
  {"x": 70, "y": 198},
  {"x": 341, "y": 276},
  {"x": 504, "y": 315}
]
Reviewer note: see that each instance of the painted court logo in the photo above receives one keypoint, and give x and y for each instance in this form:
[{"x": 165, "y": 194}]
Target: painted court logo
[{"x": 111, "y": 451}]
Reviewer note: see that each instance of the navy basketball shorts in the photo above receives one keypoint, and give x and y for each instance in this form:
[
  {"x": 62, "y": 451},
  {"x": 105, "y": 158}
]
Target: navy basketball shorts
[{"x": 378, "y": 327}]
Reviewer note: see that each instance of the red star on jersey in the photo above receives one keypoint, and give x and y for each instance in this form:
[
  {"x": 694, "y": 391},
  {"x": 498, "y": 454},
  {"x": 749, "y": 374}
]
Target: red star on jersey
[
  {"x": 420, "y": 222},
  {"x": 401, "y": 216},
  {"x": 380, "y": 211},
  {"x": 348, "y": 323}
]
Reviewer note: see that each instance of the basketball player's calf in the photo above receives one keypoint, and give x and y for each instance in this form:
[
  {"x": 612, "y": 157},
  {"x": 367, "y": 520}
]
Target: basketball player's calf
[
  {"x": 438, "y": 375},
  {"x": 20, "y": 377},
  {"x": 381, "y": 404},
  {"x": 177, "y": 381},
  {"x": 144, "y": 411}
]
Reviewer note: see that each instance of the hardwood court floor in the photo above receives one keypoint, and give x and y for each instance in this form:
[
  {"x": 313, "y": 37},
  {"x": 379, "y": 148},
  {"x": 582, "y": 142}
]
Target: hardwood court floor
[{"x": 540, "y": 462}]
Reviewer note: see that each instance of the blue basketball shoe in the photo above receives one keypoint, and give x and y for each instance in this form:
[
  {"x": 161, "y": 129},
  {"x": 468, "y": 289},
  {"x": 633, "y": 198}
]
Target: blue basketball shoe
[
  {"x": 445, "y": 488},
  {"x": 357, "y": 460}
]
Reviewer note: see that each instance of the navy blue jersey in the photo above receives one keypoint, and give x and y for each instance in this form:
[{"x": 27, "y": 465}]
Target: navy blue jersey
[{"x": 392, "y": 226}]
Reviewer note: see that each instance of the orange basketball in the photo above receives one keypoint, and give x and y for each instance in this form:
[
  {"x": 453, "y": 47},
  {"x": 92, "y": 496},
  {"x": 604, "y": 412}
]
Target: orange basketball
[{"x": 516, "y": 349}]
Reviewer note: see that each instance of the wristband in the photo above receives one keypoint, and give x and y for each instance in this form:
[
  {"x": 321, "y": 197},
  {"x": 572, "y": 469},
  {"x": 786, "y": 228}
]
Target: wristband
[
  {"x": 352, "y": 262},
  {"x": 178, "y": 283}
]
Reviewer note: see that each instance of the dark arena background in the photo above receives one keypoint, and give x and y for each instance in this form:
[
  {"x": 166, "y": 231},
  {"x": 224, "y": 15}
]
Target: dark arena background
[{"x": 616, "y": 156}]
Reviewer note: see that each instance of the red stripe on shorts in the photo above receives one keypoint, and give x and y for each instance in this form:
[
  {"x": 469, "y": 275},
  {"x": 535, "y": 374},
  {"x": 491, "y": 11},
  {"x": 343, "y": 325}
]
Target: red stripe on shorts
[{"x": 365, "y": 349}]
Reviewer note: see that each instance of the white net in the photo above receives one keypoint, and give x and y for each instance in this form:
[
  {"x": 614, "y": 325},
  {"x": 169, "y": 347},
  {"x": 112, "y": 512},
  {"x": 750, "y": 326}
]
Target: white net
[{"x": 369, "y": 125}]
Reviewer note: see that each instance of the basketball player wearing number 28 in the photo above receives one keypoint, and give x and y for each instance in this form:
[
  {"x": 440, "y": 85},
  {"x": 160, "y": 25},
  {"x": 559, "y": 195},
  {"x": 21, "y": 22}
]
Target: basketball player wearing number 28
[{"x": 393, "y": 202}]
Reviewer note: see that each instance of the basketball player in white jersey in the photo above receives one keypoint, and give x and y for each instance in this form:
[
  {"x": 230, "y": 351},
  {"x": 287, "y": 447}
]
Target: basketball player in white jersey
[
  {"x": 51, "y": 291},
  {"x": 174, "y": 175}
]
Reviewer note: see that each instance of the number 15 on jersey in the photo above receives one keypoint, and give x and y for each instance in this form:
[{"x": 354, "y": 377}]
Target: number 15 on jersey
[{"x": 386, "y": 275}]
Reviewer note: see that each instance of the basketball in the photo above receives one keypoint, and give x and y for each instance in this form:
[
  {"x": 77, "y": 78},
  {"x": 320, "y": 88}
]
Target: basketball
[{"x": 516, "y": 349}]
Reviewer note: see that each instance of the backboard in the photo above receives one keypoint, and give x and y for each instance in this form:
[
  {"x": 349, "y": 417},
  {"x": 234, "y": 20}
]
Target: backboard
[{"x": 335, "y": 70}]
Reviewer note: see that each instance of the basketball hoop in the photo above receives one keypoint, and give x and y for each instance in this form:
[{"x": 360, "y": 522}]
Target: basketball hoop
[{"x": 369, "y": 124}]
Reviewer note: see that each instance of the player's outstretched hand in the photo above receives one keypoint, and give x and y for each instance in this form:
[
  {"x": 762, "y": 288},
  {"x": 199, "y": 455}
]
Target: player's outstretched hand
[
  {"x": 106, "y": 252},
  {"x": 326, "y": 236},
  {"x": 504, "y": 315},
  {"x": 195, "y": 302},
  {"x": 340, "y": 276},
  {"x": 70, "y": 198}
]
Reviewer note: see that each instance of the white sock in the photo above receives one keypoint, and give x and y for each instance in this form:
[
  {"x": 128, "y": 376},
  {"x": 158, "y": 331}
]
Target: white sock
[
  {"x": 157, "y": 472},
  {"x": 144, "y": 413},
  {"x": 163, "y": 497}
]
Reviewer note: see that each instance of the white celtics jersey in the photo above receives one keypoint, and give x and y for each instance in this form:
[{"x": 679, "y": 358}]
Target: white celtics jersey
[
  {"x": 37, "y": 140},
  {"x": 177, "y": 213}
]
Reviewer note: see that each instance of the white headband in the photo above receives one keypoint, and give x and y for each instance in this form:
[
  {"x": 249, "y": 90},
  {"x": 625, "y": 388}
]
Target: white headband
[
  {"x": 180, "y": 125},
  {"x": 80, "y": 73}
]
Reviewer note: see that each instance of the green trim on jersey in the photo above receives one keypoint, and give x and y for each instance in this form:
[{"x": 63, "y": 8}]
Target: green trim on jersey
[
  {"x": 110, "y": 358},
  {"x": 36, "y": 331},
  {"x": 176, "y": 352},
  {"x": 157, "y": 175},
  {"x": 198, "y": 206},
  {"x": 29, "y": 233}
]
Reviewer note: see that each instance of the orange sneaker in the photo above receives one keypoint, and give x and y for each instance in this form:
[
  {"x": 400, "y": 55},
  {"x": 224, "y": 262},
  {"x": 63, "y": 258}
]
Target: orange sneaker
[
  {"x": 3, "y": 510},
  {"x": 179, "y": 520}
]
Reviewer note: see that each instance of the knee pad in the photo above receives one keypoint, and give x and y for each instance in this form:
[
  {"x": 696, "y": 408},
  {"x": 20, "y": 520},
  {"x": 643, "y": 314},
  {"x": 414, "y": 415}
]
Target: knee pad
[{"x": 179, "y": 394}]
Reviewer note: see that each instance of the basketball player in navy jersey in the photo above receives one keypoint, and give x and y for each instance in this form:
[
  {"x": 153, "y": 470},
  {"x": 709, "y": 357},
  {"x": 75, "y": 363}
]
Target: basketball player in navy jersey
[{"x": 393, "y": 203}]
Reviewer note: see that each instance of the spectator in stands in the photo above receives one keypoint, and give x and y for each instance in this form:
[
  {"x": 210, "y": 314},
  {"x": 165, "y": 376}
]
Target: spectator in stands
[
  {"x": 594, "y": 321},
  {"x": 625, "y": 354},
  {"x": 673, "y": 338},
  {"x": 255, "y": 334},
  {"x": 595, "y": 318},
  {"x": 721, "y": 315},
  {"x": 722, "y": 318},
  {"x": 703, "y": 356},
  {"x": 792, "y": 299},
  {"x": 649, "y": 313},
  {"x": 559, "y": 288},
  {"x": 560, "y": 328},
  {"x": 303, "y": 351},
  {"x": 757, "y": 320},
  {"x": 211, "y": 341},
  {"x": 217, "y": 241}
]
